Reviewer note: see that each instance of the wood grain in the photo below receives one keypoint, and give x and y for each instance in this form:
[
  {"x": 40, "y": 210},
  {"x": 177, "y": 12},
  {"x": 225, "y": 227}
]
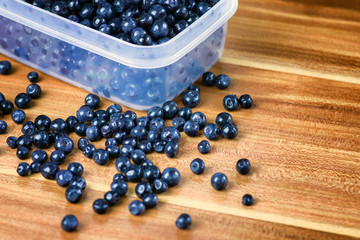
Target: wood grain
[{"x": 299, "y": 61}]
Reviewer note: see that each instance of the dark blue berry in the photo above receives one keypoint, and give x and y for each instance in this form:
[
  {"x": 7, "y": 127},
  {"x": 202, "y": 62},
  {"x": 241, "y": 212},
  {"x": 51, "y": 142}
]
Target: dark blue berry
[
  {"x": 42, "y": 122},
  {"x": 145, "y": 146},
  {"x": 78, "y": 181},
  {"x": 24, "y": 140},
  {"x": 118, "y": 177},
  {"x": 92, "y": 100},
  {"x": 60, "y": 8},
  {"x": 23, "y": 169},
  {"x": 171, "y": 176},
  {"x": 159, "y": 29},
  {"x": 34, "y": 91},
  {"x": 106, "y": 132},
  {"x": 145, "y": 20},
  {"x": 146, "y": 4},
  {"x": 39, "y": 156},
  {"x": 74, "y": 5},
  {"x": 204, "y": 147},
  {"x": 153, "y": 136},
  {"x": 105, "y": 10},
  {"x": 22, "y": 100},
  {"x": 139, "y": 36},
  {"x": 18, "y": 116},
  {"x": 157, "y": 12},
  {"x": 120, "y": 136},
  {"x": 245, "y": 101},
  {"x": 130, "y": 114},
  {"x": 93, "y": 133},
  {"x": 85, "y": 114},
  {"x": 71, "y": 121},
  {"x": 219, "y": 181},
  {"x": 199, "y": 118},
  {"x": 202, "y": 8},
  {"x": 191, "y": 128},
  {"x": 63, "y": 178},
  {"x": 231, "y": 102},
  {"x": 119, "y": 186},
  {"x": 100, "y": 156},
  {"x": 178, "y": 123},
  {"x": 35, "y": 167},
  {"x": 170, "y": 134},
  {"x": 159, "y": 146},
  {"x": 28, "y": 128},
  {"x": 117, "y": 124},
  {"x": 146, "y": 163},
  {"x": 138, "y": 156},
  {"x": 80, "y": 129},
  {"x": 22, "y": 152},
  {"x": 185, "y": 113},
  {"x": 157, "y": 124},
  {"x": 69, "y": 223},
  {"x": 222, "y": 81},
  {"x": 102, "y": 114},
  {"x": 150, "y": 200},
  {"x": 58, "y": 126},
  {"x": 98, "y": 122},
  {"x": 181, "y": 12},
  {"x": 191, "y": 98},
  {"x": 136, "y": 207},
  {"x": 82, "y": 143},
  {"x": 122, "y": 164},
  {"x": 65, "y": 144},
  {"x": 76, "y": 168},
  {"x": 143, "y": 122},
  {"x": 33, "y": 77},
  {"x": 194, "y": 88},
  {"x": 100, "y": 206},
  {"x": 115, "y": 25},
  {"x": 183, "y": 221},
  {"x": 180, "y": 26},
  {"x": 114, "y": 151},
  {"x": 41, "y": 139},
  {"x": 223, "y": 118},
  {"x": 87, "y": 11},
  {"x": 73, "y": 194},
  {"x": 212, "y": 131},
  {"x": 126, "y": 150},
  {"x": 3, "y": 127},
  {"x": 142, "y": 188},
  {"x": 192, "y": 17},
  {"x": 6, "y": 107},
  {"x": 105, "y": 28},
  {"x": 58, "y": 157},
  {"x": 151, "y": 173},
  {"x": 115, "y": 108},
  {"x": 229, "y": 131},
  {"x": 170, "y": 109},
  {"x": 49, "y": 169},
  {"x": 247, "y": 200},
  {"x": 12, "y": 142},
  {"x": 243, "y": 166},
  {"x": 112, "y": 197},
  {"x": 128, "y": 24},
  {"x": 155, "y": 112},
  {"x": 197, "y": 166},
  {"x": 159, "y": 186},
  {"x": 133, "y": 173},
  {"x": 138, "y": 132},
  {"x": 2, "y": 97},
  {"x": 5, "y": 67}
]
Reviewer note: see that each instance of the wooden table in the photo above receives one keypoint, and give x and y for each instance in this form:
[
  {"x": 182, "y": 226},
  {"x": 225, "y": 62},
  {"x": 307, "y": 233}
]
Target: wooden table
[{"x": 300, "y": 61}]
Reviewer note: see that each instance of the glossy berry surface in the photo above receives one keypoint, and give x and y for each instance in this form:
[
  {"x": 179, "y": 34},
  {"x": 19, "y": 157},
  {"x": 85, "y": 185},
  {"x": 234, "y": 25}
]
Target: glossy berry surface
[
  {"x": 151, "y": 173},
  {"x": 42, "y": 122},
  {"x": 170, "y": 134},
  {"x": 122, "y": 163},
  {"x": 208, "y": 79},
  {"x": 82, "y": 142},
  {"x": 71, "y": 121},
  {"x": 79, "y": 182},
  {"x": 157, "y": 124},
  {"x": 222, "y": 81},
  {"x": 73, "y": 194},
  {"x": 100, "y": 156},
  {"x": 212, "y": 131},
  {"x": 49, "y": 169},
  {"x": 23, "y": 169},
  {"x": 183, "y": 221},
  {"x": 204, "y": 147},
  {"x": 138, "y": 156},
  {"x": 35, "y": 167},
  {"x": 150, "y": 200},
  {"x": 171, "y": 149},
  {"x": 18, "y": 116},
  {"x": 118, "y": 177},
  {"x": 155, "y": 112},
  {"x": 58, "y": 125},
  {"x": 12, "y": 142},
  {"x": 247, "y": 200},
  {"x": 199, "y": 118},
  {"x": 112, "y": 197},
  {"x": 245, "y": 101},
  {"x": 145, "y": 146},
  {"x": 28, "y": 128},
  {"x": 22, "y": 152},
  {"x": 33, "y": 77},
  {"x": 191, "y": 98},
  {"x": 93, "y": 133},
  {"x": 85, "y": 114},
  {"x": 143, "y": 188},
  {"x": 170, "y": 109},
  {"x": 41, "y": 139},
  {"x": 243, "y": 166},
  {"x": 178, "y": 123},
  {"x": 5, "y": 67},
  {"x": 159, "y": 146},
  {"x": 24, "y": 140},
  {"x": 191, "y": 128},
  {"x": 34, "y": 91},
  {"x": 133, "y": 173},
  {"x": 230, "y": 102},
  {"x": 159, "y": 186},
  {"x": 58, "y": 157},
  {"x": 22, "y": 100},
  {"x": 219, "y": 181},
  {"x": 229, "y": 131},
  {"x": 171, "y": 176},
  {"x": 100, "y": 206},
  {"x": 6, "y": 107},
  {"x": 3, "y": 127},
  {"x": 223, "y": 119},
  {"x": 92, "y": 100},
  {"x": 69, "y": 223},
  {"x": 119, "y": 186},
  {"x": 197, "y": 166},
  {"x": 65, "y": 144},
  {"x": 80, "y": 129},
  {"x": 136, "y": 207},
  {"x": 39, "y": 156},
  {"x": 63, "y": 178}
]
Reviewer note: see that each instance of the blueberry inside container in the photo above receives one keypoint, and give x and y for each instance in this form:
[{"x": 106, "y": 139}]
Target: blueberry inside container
[{"x": 139, "y": 77}]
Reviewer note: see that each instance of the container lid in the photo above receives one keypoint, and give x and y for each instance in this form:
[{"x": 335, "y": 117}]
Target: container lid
[{"x": 129, "y": 54}]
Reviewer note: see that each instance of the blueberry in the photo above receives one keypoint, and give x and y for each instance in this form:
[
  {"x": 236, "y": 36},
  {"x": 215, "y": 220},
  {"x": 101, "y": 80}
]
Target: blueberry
[
  {"x": 82, "y": 143},
  {"x": 138, "y": 132},
  {"x": 2, "y": 97},
  {"x": 202, "y": 8},
  {"x": 191, "y": 128},
  {"x": 35, "y": 167},
  {"x": 105, "y": 28},
  {"x": 199, "y": 118},
  {"x": 142, "y": 188},
  {"x": 136, "y": 207},
  {"x": 180, "y": 26},
  {"x": 12, "y": 142},
  {"x": 6, "y": 107},
  {"x": 128, "y": 24},
  {"x": 73, "y": 194},
  {"x": 243, "y": 166},
  {"x": 41, "y": 139},
  {"x": 126, "y": 150},
  {"x": 120, "y": 136},
  {"x": 3, "y": 127},
  {"x": 178, "y": 123},
  {"x": 219, "y": 181},
  {"x": 63, "y": 178},
  {"x": 18, "y": 116},
  {"x": 118, "y": 177},
  {"x": 28, "y": 128},
  {"x": 139, "y": 36},
  {"x": 24, "y": 140},
  {"x": 102, "y": 114},
  {"x": 171, "y": 149},
  {"x": 87, "y": 11},
  {"x": 185, "y": 113},
  {"x": 146, "y": 4},
  {"x": 181, "y": 12},
  {"x": 155, "y": 112},
  {"x": 114, "y": 151},
  {"x": 194, "y": 88},
  {"x": 115, "y": 25},
  {"x": 33, "y": 77},
  {"x": 76, "y": 168},
  {"x": 151, "y": 173},
  {"x": 49, "y": 169},
  {"x": 112, "y": 197},
  {"x": 170, "y": 109},
  {"x": 150, "y": 200},
  {"x": 58, "y": 126},
  {"x": 159, "y": 186},
  {"x": 34, "y": 91},
  {"x": 171, "y": 176},
  {"x": 115, "y": 108},
  {"x": 159, "y": 146},
  {"x": 85, "y": 114},
  {"x": 123, "y": 36},
  {"x": 183, "y": 221},
  {"x": 145, "y": 20},
  {"x": 191, "y": 98},
  {"x": 58, "y": 157},
  {"x": 73, "y": 18},
  {"x": 22, "y": 100},
  {"x": 223, "y": 118},
  {"x": 204, "y": 147},
  {"x": 153, "y": 136},
  {"x": 5, "y": 67},
  {"x": 247, "y": 200},
  {"x": 100, "y": 206},
  {"x": 170, "y": 134},
  {"x": 143, "y": 122},
  {"x": 231, "y": 102},
  {"x": 100, "y": 156},
  {"x": 130, "y": 114},
  {"x": 119, "y": 186},
  {"x": 245, "y": 101},
  {"x": 42, "y": 122},
  {"x": 65, "y": 144},
  {"x": 192, "y": 17},
  {"x": 157, "y": 124},
  {"x": 74, "y": 5},
  {"x": 23, "y": 169},
  {"x": 145, "y": 146},
  {"x": 92, "y": 100},
  {"x": 146, "y": 163},
  {"x": 39, "y": 156},
  {"x": 138, "y": 156},
  {"x": 71, "y": 121},
  {"x": 105, "y": 10},
  {"x": 222, "y": 81},
  {"x": 22, "y": 152},
  {"x": 69, "y": 223},
  {"x": 93, "y": 133},
  {"x": 159, "y": 29},
  {"x": 229, "y": 131},
  {"x": 212, "y": 131},
  {"x": 197, "y": 166},
  {"x": 80, "y": 129},
  {"x": 157, "y": 12},
  {"x": 122, "y": 164},
  {"x": 60, "y": 8},
  {"x": 133, "y": 173},
  {"x": 79, "y": 182}
]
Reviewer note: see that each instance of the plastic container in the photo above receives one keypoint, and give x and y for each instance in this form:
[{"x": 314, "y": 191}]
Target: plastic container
[{"x": 137, "y": 76}]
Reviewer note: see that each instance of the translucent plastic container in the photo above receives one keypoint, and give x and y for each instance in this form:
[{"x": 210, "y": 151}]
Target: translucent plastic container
[{"x": 137, "y": 76}]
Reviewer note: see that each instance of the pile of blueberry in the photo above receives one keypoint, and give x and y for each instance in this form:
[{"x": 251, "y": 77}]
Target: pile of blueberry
[
  {"x": 142, "y": 22},
  {"x": 137, "y": 137}
]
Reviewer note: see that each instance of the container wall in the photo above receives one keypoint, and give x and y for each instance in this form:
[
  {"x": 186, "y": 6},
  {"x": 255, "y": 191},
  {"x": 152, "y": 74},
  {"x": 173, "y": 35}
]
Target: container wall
[{"x": 133, "y": 87}]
